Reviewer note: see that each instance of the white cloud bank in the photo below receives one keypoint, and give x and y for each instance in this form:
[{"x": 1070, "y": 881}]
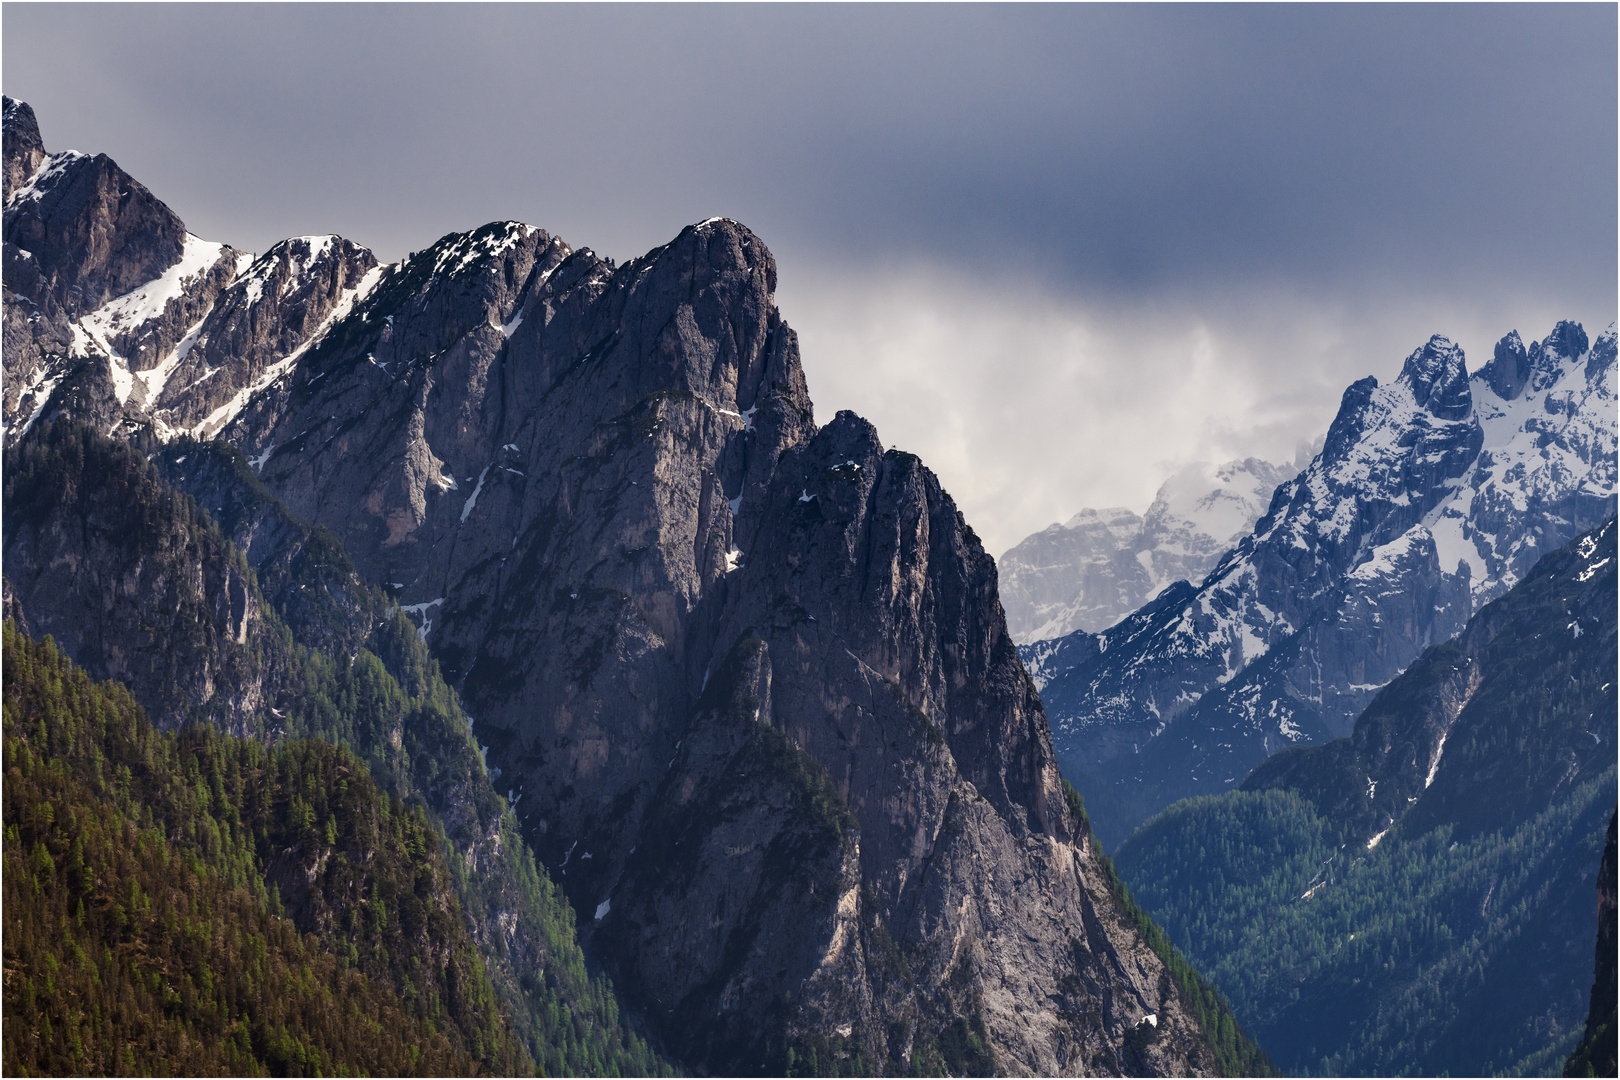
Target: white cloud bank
[{"x": 1031, "y": 405}]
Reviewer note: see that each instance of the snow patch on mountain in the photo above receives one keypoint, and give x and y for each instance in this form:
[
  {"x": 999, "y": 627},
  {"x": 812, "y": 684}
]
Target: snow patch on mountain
[
  {"x": 300, "y": 254},
  {"x": 221, "y": 417},
  {"x": 489, "y": 242},
  {"x": 46, "y": 176},
  {"x": 139, "y": 306},
  {"x": 129, "y": 313}
]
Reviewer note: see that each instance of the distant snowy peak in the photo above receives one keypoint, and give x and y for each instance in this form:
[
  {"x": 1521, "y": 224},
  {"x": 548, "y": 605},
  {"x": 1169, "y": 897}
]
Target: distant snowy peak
[
  {"x": 1203, "y": 511},
  {"x": 1549, "y": 450},
  {"x": 1100, "y": 565},
  {"x": 1388, "y": 457},
  {"x": 1431, "y": 495},
  {"x": 1473, "y": 461},
  {"x": 1116, "y": 521},
  {"x": 1439, "y": 458}
]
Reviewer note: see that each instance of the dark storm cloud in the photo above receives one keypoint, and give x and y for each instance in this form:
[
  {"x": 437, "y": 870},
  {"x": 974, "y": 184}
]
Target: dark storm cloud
[
  {"x": 1127, "y": 147},
  {"x": 1262, "y": 201}
]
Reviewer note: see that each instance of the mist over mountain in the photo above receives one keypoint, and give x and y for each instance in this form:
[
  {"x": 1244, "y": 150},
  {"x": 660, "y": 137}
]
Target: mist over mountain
[{"x": 1101, "y": 565}]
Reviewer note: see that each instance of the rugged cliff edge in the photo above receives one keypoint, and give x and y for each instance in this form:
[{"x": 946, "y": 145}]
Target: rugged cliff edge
[{"x": 745, "y": 680}]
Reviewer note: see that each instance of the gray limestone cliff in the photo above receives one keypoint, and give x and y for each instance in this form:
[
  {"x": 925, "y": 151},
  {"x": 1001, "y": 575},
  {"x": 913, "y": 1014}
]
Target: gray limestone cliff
[{"x": 746, "y": 679}]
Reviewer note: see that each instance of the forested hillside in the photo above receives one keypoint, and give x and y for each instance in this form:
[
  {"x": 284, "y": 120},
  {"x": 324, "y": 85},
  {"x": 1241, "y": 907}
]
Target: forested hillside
[
  {"x": 1235, "y": 1052},
  {"x": 1596, "y": 1055},
  {"x": 315, "y": 653},
  {"x": 190, "y": 902},
  {"x": 1418, "y": 898}
]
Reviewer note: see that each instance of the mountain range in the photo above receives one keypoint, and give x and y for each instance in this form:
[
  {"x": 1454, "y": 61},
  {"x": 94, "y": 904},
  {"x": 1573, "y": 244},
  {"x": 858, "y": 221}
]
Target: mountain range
[
  {"x": 1431, "y": 496},
  {"x": 740, "y": 682},
  {"x": 496, "y": 640}
]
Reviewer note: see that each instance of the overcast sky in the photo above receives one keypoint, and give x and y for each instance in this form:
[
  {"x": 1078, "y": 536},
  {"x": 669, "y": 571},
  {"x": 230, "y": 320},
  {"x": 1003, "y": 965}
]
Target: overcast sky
[{"x": 1057, "y": 251}]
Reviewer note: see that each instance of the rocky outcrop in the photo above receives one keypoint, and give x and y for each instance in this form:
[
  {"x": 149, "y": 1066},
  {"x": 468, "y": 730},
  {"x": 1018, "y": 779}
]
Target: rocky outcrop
[
  {"x": 117, "y": 316},
  {"x": 133, "y": 581},
  {"x": 81, "y": 231},
  {"x": 24, "y": 149},
  {"x": 1430, "y": 497},
  {"x": 747, "y": 679},
  {"x": 872, "y": 655},
  {"x": 1101, "y": 565},
  {"x": 254, "y": 329}
]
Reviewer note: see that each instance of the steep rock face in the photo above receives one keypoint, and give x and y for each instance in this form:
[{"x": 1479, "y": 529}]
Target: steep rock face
[
  {"x": 116, "y": 315},
  {"x": 619, "y": 529},
  {"x": 132, "y": 583},
  {"x": 81, "y": 231},
  {"x": 462, "y": 466},
  {"x": 253, "y": 331},
  {"x": 94, "y": 262},
  {"x": 1430, "y": 497},
  {"x": 873, "y": 647},
  {"x": 670, "y": 601},
  {"x": 24, "y": 149},
  {"x": 1101, "y": 565}
]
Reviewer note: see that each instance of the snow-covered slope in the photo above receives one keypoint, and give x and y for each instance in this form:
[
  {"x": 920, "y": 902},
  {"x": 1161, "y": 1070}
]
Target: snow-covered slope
[
  {"x": 1431, "y": 496},
  {"x": 116, "y": 313},
  {"x": 180, "y": 333},
  {"x": 1100, "y": 565}
]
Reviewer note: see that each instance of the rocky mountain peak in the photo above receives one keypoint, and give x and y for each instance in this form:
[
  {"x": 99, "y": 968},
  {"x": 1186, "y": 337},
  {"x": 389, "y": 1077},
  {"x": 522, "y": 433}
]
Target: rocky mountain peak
[
  {"x": 81, "y": 231},
  {"x": 1551, "y": 355},
  {"x": 1600, "y": 361},
  {"x": 1438, "y": 376},
  {"x": 1350, "y": 421},
  {"x": 1508, "y": 370},
  {"x": 1428, "y": 499},
  {"x": 24, "y": 149}
]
